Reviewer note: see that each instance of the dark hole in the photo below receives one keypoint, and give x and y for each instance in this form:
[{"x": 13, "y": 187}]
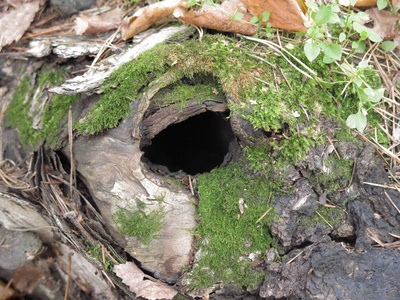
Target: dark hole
[{"x": 196, "y": 145}]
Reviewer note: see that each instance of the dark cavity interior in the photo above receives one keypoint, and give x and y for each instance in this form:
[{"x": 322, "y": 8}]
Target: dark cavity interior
[{"x": 196, "y": 145}]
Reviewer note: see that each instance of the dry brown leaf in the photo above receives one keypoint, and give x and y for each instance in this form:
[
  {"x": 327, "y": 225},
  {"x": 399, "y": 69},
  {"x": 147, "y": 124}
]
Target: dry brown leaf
[
  {"x": 384, "y": 23},
  {"x": 366, "y": 2},
  {"x": 143, "y": 285},
  {"x": 99, "y": 23},
  {"x": 285, "y": 14},
  {"x": 15, "y": 22},
  {"x": 147, "y": 16},
  {"x": 219, "y": 17},
  {"x": 28, "y": 277}
]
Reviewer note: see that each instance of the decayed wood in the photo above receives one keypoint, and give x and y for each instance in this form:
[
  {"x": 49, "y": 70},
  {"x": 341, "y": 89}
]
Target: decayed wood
[{"x": 163, "y": 117}]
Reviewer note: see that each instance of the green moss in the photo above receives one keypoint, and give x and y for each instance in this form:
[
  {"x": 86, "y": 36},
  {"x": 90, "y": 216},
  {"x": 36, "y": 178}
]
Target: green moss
[
  {"x": 326, "y": 216},
  {"x": 227, "y": 237},
  {"x": 20, "y": 115},
  {"x": 96, "y": 253},
  {"x": 144, "y": 226},
  {"x": 179, "y": 94},
  {"x": 337, "y": 176}
]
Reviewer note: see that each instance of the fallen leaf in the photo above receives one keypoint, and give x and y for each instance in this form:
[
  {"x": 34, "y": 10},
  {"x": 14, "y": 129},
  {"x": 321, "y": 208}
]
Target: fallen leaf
[
  {"x": 141, "y": 284},
  {"x": 219, "y": 17},
  {"x": 15, "y": 22},
  {"x": 28, "y": 277},
  {"x": 366, "y": 2},
  {"x": 99, "y": 23},
  {"x": 147, "y": 16},
  {"x": 384, "y": 23},
  {"x": 285, "y": 14}
]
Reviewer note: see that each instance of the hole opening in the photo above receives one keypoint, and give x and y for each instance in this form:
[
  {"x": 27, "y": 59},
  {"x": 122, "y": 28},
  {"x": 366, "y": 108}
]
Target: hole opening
[{"x": 196, "y": 145}]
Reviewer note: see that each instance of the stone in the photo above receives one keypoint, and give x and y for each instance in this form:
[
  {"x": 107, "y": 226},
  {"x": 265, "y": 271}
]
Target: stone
[{"x": 18, "y": 248}]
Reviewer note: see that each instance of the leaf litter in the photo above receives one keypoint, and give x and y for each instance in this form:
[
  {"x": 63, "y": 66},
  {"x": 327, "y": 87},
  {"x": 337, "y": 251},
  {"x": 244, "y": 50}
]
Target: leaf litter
[{"x": 141, "y": 284}]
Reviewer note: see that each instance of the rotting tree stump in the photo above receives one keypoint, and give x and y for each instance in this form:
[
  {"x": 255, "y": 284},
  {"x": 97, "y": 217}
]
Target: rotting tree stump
[{"x": 133, "y": 168}]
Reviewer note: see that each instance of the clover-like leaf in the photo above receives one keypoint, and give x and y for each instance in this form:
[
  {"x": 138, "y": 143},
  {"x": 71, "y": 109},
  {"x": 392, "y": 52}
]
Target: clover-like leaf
[
  {"x": 374, "y": 95},
  {"x": 357, "y": 121},
  {"x": 311, "y": 50}
]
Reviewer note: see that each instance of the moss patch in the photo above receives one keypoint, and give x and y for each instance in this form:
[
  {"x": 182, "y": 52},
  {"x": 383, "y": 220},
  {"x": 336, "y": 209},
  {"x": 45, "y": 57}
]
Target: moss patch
[
  {"x": 228, "y": 236},
  {"x": 21, "y": 115},
  {"x": 144, "y": 226}
]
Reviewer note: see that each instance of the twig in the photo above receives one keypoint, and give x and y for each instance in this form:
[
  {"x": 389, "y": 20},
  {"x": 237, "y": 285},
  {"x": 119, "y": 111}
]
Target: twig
[
  {"x": 334, "y": 148},
  {"x": 391, "y": 201},
  {"x": 290, "y": 261},
  {"x": 4, "y": 292},
  {"x": 264, "y": 214},
  {"x": 70, "y": 138},
  {"x": 287, "y": 81},
  {"x": 69, "y": 277},
  {"x": 381, "y": 185},
  {"x": 352, "y": 173},
  {"x": 375, "y": 238},
  {"x": 324, "y": 219},
  {"x": 191, "y": 185},
  {"x": 108, "y": 278}
]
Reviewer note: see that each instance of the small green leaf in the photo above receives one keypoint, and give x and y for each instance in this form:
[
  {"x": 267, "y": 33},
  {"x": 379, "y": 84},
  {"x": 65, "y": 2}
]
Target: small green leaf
[
  {"x": 210, "y": 2},
  {"x": 334, "y": 51},
  {"x": 388, "y": 45},
  {"x": 237, "y": 16},
  {"x": 323, "y": 15},
  {"x": 265, "y": 16},
  {"x": 311, "y": 50},
  {"x": 327, "y": 59},
  {"x": 374, "y": 95},
  {"x": 373, "y": 36},
  {"x": 358, "y": 27},
  {"x": 362, "y": 45},
  {"x": 342, "y": 37},
  {"x": 253, "y": 20},
  {"x": 191, "y": 2},
  {"x": 357, "y": 81},
  {"x": 358, "y": 121},
  {"x": 381, "y": 4}
]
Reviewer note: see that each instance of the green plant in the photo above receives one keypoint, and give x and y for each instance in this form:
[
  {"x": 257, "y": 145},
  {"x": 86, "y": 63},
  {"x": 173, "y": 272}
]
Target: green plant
[
  {"x": 321, "y": 40},
  {"x": 144, "y": 226}
]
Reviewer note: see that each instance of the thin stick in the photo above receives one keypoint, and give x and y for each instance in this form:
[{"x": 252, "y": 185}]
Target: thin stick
[
  {"x": 391, "y": 201},
  {"x": 334, "y": 149},
  {"x": 191, "y": 185},
  {"x": 375, "y": 238},
  {"x": 290, "y": 261},
  {"x": 287, "y": 81},
  {"x": 69, "y": 276},
  {"x": 4, "y": 292},
  {"x": 352, "y": 173},
  {"x": 264, "y": 214},
  {"x": 70, "y": 138},
  {"x": 382, "y": 186},
  {"x": 108, "y": 278},
  {"x": 324, "y": 219}
]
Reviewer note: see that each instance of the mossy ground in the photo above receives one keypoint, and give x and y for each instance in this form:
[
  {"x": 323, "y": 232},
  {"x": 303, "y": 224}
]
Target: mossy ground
[{"x": 229, "y": 236}]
